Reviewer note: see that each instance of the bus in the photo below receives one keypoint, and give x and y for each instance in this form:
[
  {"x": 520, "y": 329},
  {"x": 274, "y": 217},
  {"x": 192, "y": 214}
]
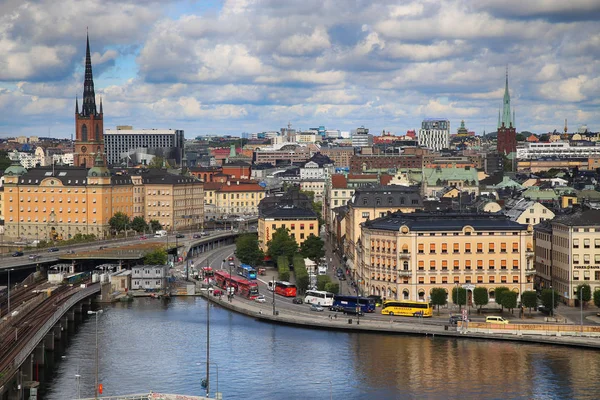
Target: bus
[
  {"x": 246, "y": 271},
  {"x": 285, "y": 289},
  {"x": 341, "y": 302},
  {"x": 241, "y": 287},
  {"x": 319, "y": 297},
  {"x": 406, "y": 308}
]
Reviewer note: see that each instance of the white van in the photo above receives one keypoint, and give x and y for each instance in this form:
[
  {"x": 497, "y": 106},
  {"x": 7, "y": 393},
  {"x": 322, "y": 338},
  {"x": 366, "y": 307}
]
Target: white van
[{"x": 496, "y": 320}]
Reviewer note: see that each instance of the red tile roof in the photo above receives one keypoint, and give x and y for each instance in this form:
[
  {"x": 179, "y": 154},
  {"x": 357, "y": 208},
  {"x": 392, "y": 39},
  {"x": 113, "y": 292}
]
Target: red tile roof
[{"x": 338, "y": 181}]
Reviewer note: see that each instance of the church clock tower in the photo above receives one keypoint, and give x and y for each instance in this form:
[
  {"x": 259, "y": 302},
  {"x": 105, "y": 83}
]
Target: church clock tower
[{"x": 89, "y": 123}]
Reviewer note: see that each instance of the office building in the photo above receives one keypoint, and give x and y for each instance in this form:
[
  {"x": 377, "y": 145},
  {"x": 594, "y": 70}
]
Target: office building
[
  {"x": 435, "y": 134},
  {"x": 126, "y": 145}
]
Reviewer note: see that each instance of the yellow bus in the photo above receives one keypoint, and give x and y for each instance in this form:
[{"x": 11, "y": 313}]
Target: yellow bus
[{"x": 407, "y": 308}]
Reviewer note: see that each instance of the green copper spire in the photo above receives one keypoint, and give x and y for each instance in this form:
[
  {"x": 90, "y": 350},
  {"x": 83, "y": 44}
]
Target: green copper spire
[
  {"x": 232, "y": 151},
  {"x": 506, "y": 117}
]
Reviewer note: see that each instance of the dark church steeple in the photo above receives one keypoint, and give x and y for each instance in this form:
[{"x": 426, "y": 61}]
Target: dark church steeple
[{"x": 89, "y": 96}]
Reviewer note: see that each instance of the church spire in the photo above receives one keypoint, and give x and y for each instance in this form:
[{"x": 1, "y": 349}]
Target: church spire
[
  {"x": 499, "y": 120},
  {"x": 89, "y": 100},
  {"x": 506, "y": 117},
  {"x": 101, "y": 112},
  {"x": 76, "y": 105}
]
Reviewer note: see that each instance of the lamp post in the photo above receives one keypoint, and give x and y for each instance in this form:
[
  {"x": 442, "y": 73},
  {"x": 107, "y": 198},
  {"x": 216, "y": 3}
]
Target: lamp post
[
  {"x": 273, "y": 290},
  {"x": 217, "y": 368},
  {"x": 96, "y": 314}
]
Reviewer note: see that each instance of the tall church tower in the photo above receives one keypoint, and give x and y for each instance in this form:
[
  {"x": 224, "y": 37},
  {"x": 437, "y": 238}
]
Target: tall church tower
[
  {"x": 507, "y": 133},
  {"x": 89, "y": 123}
]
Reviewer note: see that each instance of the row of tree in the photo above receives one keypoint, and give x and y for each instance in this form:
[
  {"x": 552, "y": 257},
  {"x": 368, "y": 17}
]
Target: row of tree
[{"x": 121, "y": 222}]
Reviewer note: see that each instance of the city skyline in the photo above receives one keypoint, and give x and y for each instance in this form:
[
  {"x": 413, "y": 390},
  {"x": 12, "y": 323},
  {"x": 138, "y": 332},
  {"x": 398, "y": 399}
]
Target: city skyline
[{"x": 244, "y": 66}]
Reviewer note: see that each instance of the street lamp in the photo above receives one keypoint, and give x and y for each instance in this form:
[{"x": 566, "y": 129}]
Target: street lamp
[
  {"x": 96, "y": 314},
  {"x": 206, "y": 385}
]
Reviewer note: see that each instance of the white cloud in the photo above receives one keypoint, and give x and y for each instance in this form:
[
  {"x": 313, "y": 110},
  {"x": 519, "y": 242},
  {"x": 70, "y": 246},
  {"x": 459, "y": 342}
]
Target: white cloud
[{"x": 305, "y": 44}]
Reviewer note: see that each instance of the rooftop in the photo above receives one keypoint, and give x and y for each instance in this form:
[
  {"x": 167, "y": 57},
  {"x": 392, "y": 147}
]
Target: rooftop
[
  {"x": 448, "y": 221},
  {"x": 579, "y": 218}
]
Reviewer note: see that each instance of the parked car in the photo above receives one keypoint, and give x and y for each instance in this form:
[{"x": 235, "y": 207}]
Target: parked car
[
  {"x": 298, "y": 300},
  {"x": 314, "y": 307},
  {"x": 260, "y": 298},
  {"x": 496, "y": 320},
  {"x": 17, "y": 254},
  {"x": 33, "y": 256},
  {"x": 53, "y": 249},
  {"x": 180, "y": 236}
]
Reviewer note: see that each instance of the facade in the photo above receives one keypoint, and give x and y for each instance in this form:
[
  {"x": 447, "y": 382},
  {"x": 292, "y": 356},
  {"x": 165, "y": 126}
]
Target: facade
[
  {"x": 536, "y": 151},
  {"x": 567, "y": 254},
  {"x": 436, "y": 180},
  {"x": 149, "y": 277},
  {"x": 405, "y": 256},
  {"x": 287, "y": 154},
  {"x": 381, "y": 162},
  {"x": 237, "y": 198},
  {"x": 318, "y": 167},
  {"x": 126, "y": 145},
  {"x": 89, "y": 123},
  {"x": 361, "y": 138},
  {"x": 301, "y": 223},
  {"x": 527, "y": 212},
  {"x": 339, "y": 155},
  {"x": 435, "y": 134},
  {"x": 371, "y": 202},
  {"x": 539, "y": 165},
  {"x": 317, "y": 186}
]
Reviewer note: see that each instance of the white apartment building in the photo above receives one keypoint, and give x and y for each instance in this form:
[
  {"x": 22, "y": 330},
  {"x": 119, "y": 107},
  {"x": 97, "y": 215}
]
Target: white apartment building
[
  {"x": 124, "y": 142},
  {"x": 435, "y": 134},
  {"x": 534, "y": 151}
]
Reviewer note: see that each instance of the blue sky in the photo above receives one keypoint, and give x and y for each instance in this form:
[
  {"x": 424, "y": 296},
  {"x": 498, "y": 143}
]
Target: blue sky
[{"x": 232, "y": 66}]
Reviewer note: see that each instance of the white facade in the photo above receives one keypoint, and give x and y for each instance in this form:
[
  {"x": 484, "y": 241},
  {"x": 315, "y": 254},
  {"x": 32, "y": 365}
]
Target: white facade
[
  {"x": 317, "y": 186},
  {"x": 533, "y": 151},
  {"x": 311, "y": 170},
  {"x": 435, "y": 134},
  {"x": 362, "y": 140},
  {"x": 64, "y": 159},
  {"x": 148, "y": 277},
  {"x": 120, "y": 142}
]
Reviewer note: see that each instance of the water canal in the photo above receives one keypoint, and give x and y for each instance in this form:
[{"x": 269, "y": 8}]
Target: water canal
[{"x": 148, "y": 345}]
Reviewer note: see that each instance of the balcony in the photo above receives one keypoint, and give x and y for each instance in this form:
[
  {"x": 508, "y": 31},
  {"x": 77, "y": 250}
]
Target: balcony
[
  {"x": 404, "y": 273},
  {"x": 530, "y": 271},
  {"x": 404, "y": 256},
  {"x": 529, "y": 253}
]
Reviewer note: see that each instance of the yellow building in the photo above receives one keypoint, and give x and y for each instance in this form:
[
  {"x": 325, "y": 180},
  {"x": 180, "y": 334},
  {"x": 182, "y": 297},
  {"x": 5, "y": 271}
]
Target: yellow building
[
  {"x": 58, "y": 203},
  {"x": 232, "y": 198},
  {"x": 567, "y": 253},
  {"x": 373, "y": 202},
  {"x": 404, "y": 256},
  {"x": 300, "y": 222}
]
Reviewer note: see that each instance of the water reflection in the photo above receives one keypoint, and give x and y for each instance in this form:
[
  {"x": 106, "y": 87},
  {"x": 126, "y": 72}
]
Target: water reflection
[{"x": 148, "y": 345}]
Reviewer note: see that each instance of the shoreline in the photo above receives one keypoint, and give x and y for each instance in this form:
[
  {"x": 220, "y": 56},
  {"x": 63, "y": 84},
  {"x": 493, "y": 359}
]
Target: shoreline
[{"x": 395, "y": 327}]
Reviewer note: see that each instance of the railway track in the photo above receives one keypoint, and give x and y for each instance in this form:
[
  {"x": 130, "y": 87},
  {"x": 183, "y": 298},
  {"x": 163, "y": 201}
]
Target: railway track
[{"x": 19, "y": 296}]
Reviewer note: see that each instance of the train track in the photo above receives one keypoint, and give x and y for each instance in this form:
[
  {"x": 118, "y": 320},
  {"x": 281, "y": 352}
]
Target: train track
[{"x": 19, "y": 296}]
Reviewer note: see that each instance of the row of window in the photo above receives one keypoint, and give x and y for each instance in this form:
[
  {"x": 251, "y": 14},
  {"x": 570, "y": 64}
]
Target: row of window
[
  {"x": 293, "y": 226},
  {"x": 586, "y": 258},
  {"x": 586, "y": 243},
  {"x": 467, "y": 248},
  {"x": 444, "y": 279}
]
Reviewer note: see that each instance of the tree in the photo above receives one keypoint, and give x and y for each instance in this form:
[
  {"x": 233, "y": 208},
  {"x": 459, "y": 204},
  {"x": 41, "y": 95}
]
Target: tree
[
  {"x": 586, "y": 293},
  {"x": 156, "y": 257},
  {"x": 597, "y": 297},
  {"x": 520, "y": 137},
  {"x": 283, "y": 269},
  {"x": 247, "y": 250},
  {"x": 139, "y": 224},
  {"x": 459, "y": 296},
  {"x": 529, "y": 299},
  {"x": 439, "y": 297},
  {"x": 547, "y": 297},
  {"x": 322, "y": 281},
  {"x": 499, "y": 293},
  {"x": 480, "y": 297},
  {"x": 509, "y": 300},
  {"x": 300, "y": 273},
  {"x": 282, "y": 244},
  {"x": 119, "y": 221},
  {"x": 158, "y": 162},
  {"x": 4, "y": 160},
  {"x": 155, "y": 225},
  {"x": 313, "y": 247},
  {"x": 332, "y": 287}
]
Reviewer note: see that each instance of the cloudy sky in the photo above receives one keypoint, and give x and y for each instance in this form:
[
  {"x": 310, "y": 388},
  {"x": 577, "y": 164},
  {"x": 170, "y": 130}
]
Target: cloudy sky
[{"x": 232, "y": 66}]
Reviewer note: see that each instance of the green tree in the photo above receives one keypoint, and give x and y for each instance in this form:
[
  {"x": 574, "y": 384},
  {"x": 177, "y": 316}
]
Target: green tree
[
  {"x": 119, "y": 222},
  {"x": 520, "y": 137},
  {"x": 154, "y": 225},
  {"x": 480, "y": 297},
  {"x": 547, "y": 297},
  {"x": 300, "y": 273},
  {"x": 459, "y": 296},
  {"x": 322, "y": 281},
  {"x": 586, "y": 293},
  {"x": 247, "y": 249},
  {"x": 499, "y": 293},
  {"x": 439, "y": 297},
  {"x": 283, "y": 268},
  {"x": 597, "y": 297},
  {"x": 332, "y": 287},
  {"x": 156, "y": 257},
  {"x": 313, "y": 248},
  {"x": 282, "y": 244},
  {"x": 4, "y": 160},
  {"x": 139, "y": 224},
  {"x": 529, "y": 299},
  {"x": 509, "y": 300}
]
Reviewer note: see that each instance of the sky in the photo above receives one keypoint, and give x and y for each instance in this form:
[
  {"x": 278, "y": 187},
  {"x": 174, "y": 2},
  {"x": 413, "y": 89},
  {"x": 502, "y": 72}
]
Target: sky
[{"x": 231, "y": 66}]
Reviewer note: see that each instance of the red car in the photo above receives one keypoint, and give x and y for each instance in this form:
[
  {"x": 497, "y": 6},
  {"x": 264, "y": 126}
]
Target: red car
[
  {"x": 143, "y": 238},
  {"x": 230, "y": 259}
]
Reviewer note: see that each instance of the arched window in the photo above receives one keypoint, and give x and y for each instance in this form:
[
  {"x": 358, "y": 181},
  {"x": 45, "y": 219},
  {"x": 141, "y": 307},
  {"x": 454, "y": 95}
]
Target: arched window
[
  {"x": 405, "y": 294},
  {"x": 84, "y": 136}
]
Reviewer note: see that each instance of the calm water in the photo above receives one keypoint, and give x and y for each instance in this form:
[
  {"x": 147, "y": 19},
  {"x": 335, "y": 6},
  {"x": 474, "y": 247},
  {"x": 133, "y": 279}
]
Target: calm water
[{"x": 147, "y": 346}]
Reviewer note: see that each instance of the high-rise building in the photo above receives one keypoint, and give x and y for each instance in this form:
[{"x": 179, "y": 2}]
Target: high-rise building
[
  {"x": 128, "y": 145},
  {"x": 89, "y": 123},
  {"x": 507, "y": 133},
  {"x": 435, "y": 134}
]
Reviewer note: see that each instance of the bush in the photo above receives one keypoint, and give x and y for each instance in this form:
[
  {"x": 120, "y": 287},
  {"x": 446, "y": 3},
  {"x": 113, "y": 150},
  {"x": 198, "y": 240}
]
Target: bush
[
  {"x": 283, "y": 269},
  {"x": 322, "y": 281},
  {"x": 300, "y": 273}
]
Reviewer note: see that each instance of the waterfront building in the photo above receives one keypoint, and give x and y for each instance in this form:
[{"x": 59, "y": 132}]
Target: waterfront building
[
  {"x": 371, "y": 202},
  {"x": 435, "y": 134},
  {"x": 149, "y": 277},
  {"x": 301, "y": 223},
  {"x": 89, "y": 123},
  {"x": 567, "y": 253},
  {"x": 404, "y": 256},
  {"x": 129, "y": 146}
]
